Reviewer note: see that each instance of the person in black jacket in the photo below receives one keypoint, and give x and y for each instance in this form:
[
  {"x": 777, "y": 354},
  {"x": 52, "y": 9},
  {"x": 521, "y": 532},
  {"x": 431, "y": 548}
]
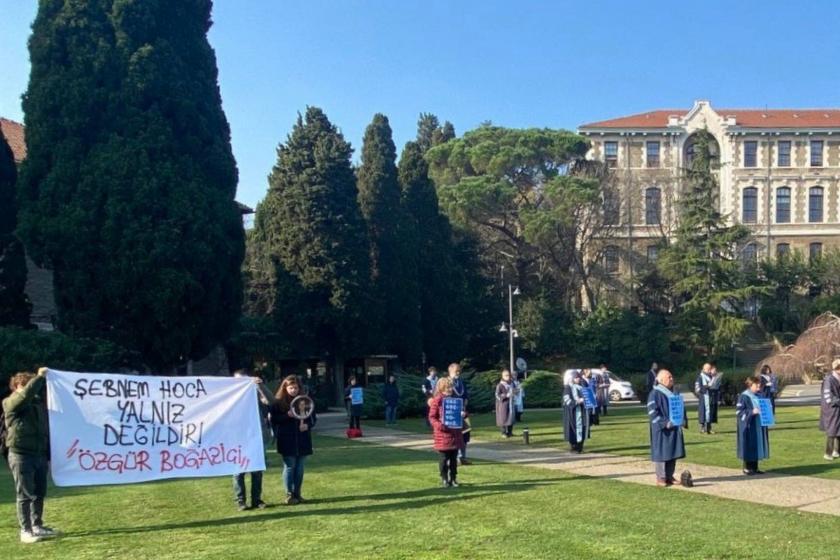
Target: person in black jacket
[
  {"x": 294, "y": 437},
  {"x": 391, "y": 396}
]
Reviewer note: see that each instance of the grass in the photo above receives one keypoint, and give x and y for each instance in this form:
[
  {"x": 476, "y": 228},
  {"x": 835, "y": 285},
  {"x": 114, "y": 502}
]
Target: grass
[
  {"x": 368, "y": 501},
  {"x": 796, "y": 444}
]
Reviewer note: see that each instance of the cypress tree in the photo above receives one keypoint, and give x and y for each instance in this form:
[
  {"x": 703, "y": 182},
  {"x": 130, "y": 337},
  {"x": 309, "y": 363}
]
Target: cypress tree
[
  {"x": 14, "y": 305},
  {"x": 311, "y": 241},
  {"x": 393, "y": 274},
  {"x": 128, "y": 188}
]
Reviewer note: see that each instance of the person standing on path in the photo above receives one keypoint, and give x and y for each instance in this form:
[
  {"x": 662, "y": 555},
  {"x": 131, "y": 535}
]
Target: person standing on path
[
  {"x": 588, "y": 381},
  {"x": 651, "y": 376},
  {"x": 27, "y": 436},
  {"x": 505, "y": 404},
  {"x": 830, "y": 412},
  {"x": 428, "y": 388},
  {"x": 753, "y": 438},
  {"x": 666, "y": 440},
  {"x": 575, "y": 415},
  {"x": 391, "y": 396},
  {"x": 707, "y": 388},
  {"x": 355, "y": 409},
  {"x": 460, "y": 391},
  {"x": 447, "y": 439},
  {"x": 602, "y": 383}
]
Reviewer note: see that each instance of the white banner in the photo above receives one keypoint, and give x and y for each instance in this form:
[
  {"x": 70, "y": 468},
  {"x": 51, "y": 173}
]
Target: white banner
[{"x": 119, "y": 429}]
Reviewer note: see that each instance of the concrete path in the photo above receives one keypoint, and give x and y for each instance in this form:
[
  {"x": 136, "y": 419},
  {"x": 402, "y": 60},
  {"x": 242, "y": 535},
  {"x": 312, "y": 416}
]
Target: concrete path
[{"x": 804, "y": 493}]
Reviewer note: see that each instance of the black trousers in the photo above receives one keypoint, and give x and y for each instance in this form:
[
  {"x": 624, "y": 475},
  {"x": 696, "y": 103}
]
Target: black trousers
[
  {"x": 507, "y": 430},
  {"x": 832, "y": 444},
  {"x": 751, "y": 465},
  {"x": 449, "y": 464},
  {"x": 355, "y": 421}
]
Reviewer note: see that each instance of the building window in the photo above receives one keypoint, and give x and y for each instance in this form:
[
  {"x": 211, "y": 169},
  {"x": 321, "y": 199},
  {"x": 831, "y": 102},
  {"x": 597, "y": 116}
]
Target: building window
[
  {"x": 652, "y": 253},
  {"x": 816, "y": 153},
  {"x": 782, "y": 250},
  {"x": 652, "y": 154},
  {"x": 611, "y": 154},
  {"x": 750, "y": 205},
  {"x": 815, "y": 204},
  {"x": 611, "y": 259},
  {"x": 653, "y": 206},
  {"x": 750, "y": 153},
  {"x": 784, "y": 153},
  {"x": 612, "y": 209},
  {"x": 783, "y": 205},
  {"x": 814, "y": 251},
  {"x": 750, "y": 254}
]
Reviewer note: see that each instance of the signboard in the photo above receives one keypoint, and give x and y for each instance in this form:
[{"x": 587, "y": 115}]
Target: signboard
[
  {"x": 765, "y": 410},
  {"x": 452, "y": 409},
  {"x": 119, "y": 429},
  {"x": 588, "y": 398},
  {"x": 357, "y": 395},
  {"x": 676, "y": 410}
]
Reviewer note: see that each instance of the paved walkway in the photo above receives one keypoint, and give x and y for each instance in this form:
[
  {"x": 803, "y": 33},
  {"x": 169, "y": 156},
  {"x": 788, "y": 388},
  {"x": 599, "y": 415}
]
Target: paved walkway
[{"x": 804, "y": 493}]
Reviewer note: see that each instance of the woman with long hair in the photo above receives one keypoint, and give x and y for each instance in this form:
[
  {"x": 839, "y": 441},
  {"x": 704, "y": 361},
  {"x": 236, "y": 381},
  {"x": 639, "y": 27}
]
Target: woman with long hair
[{"x": 294, "y": 437}]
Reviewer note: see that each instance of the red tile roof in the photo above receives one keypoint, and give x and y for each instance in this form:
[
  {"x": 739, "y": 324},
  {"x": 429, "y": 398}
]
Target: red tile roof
[
  {"x": 748, "y": 118},
  {"x": 13, "y": 131}
]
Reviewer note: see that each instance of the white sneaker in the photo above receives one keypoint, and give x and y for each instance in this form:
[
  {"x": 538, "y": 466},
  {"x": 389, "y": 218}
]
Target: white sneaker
[
  {"x": 44, "y": 532},
  {"x": 828, "y": 457},
  {"x": 27, "y": 537},
  {"x": 835, "y": 454}
]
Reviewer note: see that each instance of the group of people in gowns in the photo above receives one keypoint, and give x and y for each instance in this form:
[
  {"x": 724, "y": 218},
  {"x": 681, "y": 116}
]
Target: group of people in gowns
[
  {"x": 707, "y": 389},
  {"x": 578, "y": 418}
]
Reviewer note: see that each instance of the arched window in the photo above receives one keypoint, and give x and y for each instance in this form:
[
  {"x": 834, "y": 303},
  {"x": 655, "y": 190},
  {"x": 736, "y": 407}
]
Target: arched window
[
  {"x": 783, "y": 205},
  {"x": 611, "y": 261},
  {"x": 749, "y": 214},
  {"x": 750, "y": 254},
  {"x": 814, "y": 251},
  {"x": 782, "y": 250},
  {"x": 653, "y": 206},
  {"x": 815, "y": 204}
]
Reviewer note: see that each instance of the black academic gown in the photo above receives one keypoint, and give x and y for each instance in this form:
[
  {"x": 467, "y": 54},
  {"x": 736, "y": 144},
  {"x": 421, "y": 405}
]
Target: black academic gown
[
  {"x": 830, "y": 406},
  {"x": 666, "y": 444},
  {"x": 575, "y": 417},
  {"x": 753, "y": 440}
]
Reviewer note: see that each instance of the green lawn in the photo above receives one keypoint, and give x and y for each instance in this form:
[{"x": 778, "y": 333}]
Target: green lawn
[
  {"x": 368, "y": 501},
  {"x": 796, "y": 444}
]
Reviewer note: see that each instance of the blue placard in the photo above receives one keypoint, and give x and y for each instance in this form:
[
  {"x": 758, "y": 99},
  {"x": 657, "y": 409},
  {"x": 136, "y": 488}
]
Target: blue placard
[
  {"x": 676, "y": 410},
  {"x": 452, "y": 409},
  {"x": 765, "y": 410},
  {"x": 588, "y": 398},
  {"x": 357, "y": 395}
]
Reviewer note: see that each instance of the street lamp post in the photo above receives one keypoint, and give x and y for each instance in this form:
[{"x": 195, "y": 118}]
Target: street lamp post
[{"x": 509, "y": 327}]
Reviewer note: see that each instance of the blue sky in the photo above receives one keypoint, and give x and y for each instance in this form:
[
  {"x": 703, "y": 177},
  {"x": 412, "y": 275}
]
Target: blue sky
[{"x": 518, "y": 63}]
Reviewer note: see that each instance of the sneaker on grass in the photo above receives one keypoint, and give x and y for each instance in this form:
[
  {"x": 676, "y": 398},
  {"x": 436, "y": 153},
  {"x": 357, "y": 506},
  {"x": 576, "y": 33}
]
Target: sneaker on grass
[
  {"x": 27, "y": 537},
  {"x": 44, "y": 532}
]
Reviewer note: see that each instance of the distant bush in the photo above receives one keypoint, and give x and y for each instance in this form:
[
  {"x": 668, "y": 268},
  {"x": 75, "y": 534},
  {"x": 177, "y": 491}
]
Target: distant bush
[{"x": 543, "y": 389}]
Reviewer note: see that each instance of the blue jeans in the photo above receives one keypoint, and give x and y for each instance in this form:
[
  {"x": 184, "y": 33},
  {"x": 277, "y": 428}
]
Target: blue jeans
[
  {"x": 293, "y": 473},
  {"x": 256, "y": 487},
  {"x": 390, "y": 414},
  {"x": 30, "y": 475}
]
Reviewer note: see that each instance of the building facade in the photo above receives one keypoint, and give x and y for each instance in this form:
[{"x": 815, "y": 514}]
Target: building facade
[{"x": 779, "y": 175}]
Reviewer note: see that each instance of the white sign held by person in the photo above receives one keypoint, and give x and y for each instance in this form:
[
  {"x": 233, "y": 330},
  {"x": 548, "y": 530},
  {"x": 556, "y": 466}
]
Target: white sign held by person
[{"x": 119, "y": 429}]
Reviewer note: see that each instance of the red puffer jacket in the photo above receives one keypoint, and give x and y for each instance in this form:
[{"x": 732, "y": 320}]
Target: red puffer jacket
[{"x": 446, "y": 439}]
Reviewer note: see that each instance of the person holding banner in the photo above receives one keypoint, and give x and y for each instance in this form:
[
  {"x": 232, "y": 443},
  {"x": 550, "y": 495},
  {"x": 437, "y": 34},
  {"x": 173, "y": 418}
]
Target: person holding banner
[
  {"x": 575, "y": 416},
  {"x": 707, "y": 389},
  {"x": 294, "y": 436},
  {"x": 354, "y": 397},
  {"x": 265, "y": 399},
  {"x": 459, "y": 391},
  {"x": 448, "y": 431},
  {"x": 830, "y": 412},
  {"x": 666, "y": 411},
  {"x": 27, "y": 436},
  {"x": 505, "y": 414},
  {"x": 753, "y": 436}
]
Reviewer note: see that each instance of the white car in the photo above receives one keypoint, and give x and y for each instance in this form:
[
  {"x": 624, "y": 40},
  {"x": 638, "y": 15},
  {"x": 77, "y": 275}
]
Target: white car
[{"x": 619, "y": 389}]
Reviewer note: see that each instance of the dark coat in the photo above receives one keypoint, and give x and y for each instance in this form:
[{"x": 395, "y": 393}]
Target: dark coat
[
  {"x": 391, "y": 394},
  {"x": 504, "y": 404},
  {"x": 291, "y": 442},
  {"x": 460, "y": 389},
  {"x": 651, "y": 379},
  {"x": 666, "y": 443},
  {"x": 25, "y": 415},
  {"x": 704, "y": 392},
  {"x": 574, "y": 414},
  {"x": 753, "y": 440},
  {"x": 446, "y": 438},
  {"x": 355, "y": 409},
  {"x": 830, "y": 406}
]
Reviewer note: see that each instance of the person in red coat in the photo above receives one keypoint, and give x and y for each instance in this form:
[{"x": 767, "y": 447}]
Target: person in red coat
[{"x": 447, "y": 439}]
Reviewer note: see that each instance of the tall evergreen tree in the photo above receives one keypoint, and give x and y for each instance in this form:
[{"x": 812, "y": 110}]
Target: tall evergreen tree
[
  {"x": 702, "y": 263},
  {"x": 128, "y": 188},
  {"x": 311, "y": 246},
  {"x": 14, "y": 305},
  {"x": 430, "y": 132},
  {"x": 393, "y": 272}
]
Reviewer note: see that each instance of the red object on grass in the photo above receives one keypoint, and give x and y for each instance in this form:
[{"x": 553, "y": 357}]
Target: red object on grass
[{"x": 354, "y": 433}]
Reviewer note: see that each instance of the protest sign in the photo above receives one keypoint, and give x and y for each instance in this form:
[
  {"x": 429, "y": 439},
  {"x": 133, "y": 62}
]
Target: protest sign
[
  {"x": 765, "y": 410},
  {"x": 357, "y": 395},
  {"x": 452, "y": 409},
  {"x": 676, "y": 410}
]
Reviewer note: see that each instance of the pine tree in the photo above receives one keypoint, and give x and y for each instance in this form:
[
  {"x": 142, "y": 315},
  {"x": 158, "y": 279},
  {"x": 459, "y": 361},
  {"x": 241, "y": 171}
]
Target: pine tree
[
  {"x": 128, "y": 188},
  {"x": 311, "y": 236},
  {"x": 14, "y": 305},
  {"x": 393, "y": 272}
]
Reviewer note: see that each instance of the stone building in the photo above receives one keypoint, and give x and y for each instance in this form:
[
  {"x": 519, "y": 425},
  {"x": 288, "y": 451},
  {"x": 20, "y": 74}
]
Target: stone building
[{"x": 779, "y": 174}]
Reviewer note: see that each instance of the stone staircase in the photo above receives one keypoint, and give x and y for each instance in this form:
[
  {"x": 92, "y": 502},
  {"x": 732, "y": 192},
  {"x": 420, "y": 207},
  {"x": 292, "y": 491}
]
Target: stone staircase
[{"x": 753, "y": 347}]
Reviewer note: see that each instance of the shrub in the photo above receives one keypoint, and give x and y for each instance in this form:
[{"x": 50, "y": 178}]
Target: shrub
[{"x": 543, "y": 389}]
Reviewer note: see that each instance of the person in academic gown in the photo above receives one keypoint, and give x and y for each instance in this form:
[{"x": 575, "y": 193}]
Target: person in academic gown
[
  {"x": 505, "y": 404},
  {"x": 666, "y": 440},
  {"x": 589, "y": 382},
  {"x": 602, "y": 382},
  {"x": 830, "y": 412},
  {"x": 575, "y": 415},
  {"x": 707, "y": 389},
  {"x": 753, "y": 440}
]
